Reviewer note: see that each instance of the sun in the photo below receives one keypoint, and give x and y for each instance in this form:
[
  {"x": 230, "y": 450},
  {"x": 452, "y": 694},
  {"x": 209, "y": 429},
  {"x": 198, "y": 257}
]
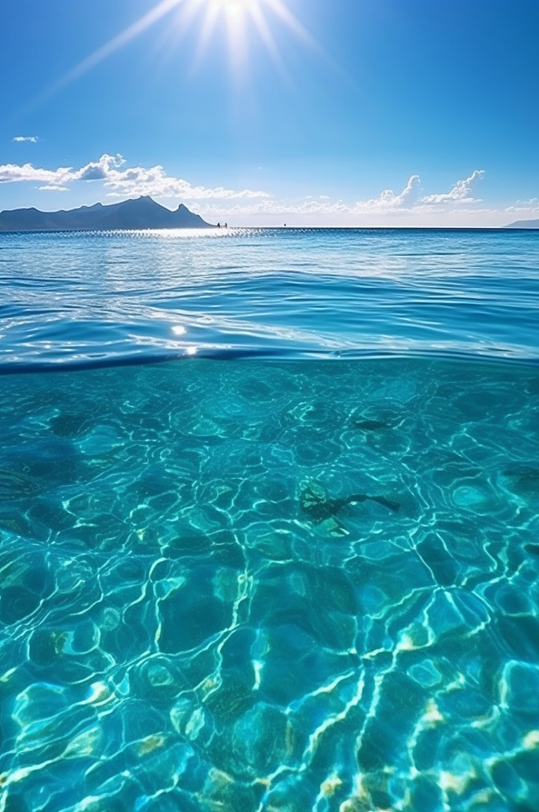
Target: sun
[
  {"x": 238, "y": 17},
  {"x": 243, "y": 19},
  {"x": 235, "y": 6}
]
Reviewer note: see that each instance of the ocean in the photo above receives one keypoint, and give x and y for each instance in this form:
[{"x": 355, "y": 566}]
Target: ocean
[{"x": 269, "y": 521}]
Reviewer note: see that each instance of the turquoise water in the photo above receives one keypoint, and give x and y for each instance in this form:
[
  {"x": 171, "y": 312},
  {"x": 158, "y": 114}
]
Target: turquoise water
[
  {"x": 290, "y": 585},
  {"x": 78, "y": 299}
]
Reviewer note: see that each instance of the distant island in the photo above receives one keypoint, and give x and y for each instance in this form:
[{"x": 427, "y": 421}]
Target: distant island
[
  {"x": 524, "y": 224},
  {"x": 130, "y": 214}
]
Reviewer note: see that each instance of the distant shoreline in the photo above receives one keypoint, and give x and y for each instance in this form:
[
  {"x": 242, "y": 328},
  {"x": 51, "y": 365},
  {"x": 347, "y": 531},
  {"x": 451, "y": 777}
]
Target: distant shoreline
[
  {"x": 232, "y": 229},
  {"x": 144, "y": 214}
]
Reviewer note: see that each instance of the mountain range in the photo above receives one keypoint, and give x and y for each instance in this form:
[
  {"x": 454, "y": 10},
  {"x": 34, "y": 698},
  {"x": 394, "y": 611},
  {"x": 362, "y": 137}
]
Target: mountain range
[
  {"x": 524, "y": 224},
  {"x": 130, "y": 214}
]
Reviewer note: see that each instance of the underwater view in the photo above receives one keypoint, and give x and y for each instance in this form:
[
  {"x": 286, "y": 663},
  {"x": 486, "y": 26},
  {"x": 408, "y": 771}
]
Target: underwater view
[{"x": 280, "y": 585}]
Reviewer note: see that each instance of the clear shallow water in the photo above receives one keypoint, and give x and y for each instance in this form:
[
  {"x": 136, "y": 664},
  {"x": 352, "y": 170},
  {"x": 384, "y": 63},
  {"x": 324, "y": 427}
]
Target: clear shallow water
[
  {"x": 293, "y": 585},
  {"x": 288, "y": 585},
  {"x": 94, "y": 298}
]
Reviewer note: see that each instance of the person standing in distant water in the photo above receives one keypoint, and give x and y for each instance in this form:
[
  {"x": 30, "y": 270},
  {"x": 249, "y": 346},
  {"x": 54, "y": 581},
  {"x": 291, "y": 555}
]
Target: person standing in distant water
[{"x": 218, "y": 225}]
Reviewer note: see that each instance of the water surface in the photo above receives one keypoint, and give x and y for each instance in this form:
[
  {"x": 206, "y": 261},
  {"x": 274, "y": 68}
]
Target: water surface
[{"x": 88, "y": 298}]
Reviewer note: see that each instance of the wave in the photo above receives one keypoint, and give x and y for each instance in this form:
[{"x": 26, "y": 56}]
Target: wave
[{"x": 73, "y": 300}]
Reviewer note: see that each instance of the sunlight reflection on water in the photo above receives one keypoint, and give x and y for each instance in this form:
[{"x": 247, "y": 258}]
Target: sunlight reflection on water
[{"x": 296, "y": 292}]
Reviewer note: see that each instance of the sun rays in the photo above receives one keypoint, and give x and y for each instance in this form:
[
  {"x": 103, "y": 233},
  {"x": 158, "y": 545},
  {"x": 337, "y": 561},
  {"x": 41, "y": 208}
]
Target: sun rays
[
  {"x": 240, "y": 21},
  {"x": 243, "y": 23}
]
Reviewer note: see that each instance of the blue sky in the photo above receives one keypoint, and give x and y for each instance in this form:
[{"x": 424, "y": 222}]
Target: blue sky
[{"x": 323, "y": 112}]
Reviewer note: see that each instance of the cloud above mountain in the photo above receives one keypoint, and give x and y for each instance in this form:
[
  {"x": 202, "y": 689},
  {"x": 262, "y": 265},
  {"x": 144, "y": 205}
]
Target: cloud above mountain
[
  {"x": 117, "y": 180},
  {"x": 120, "y": 181}
]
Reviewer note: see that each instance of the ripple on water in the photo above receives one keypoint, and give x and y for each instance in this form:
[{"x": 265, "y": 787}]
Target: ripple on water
[{"x": 253, "y": 587}]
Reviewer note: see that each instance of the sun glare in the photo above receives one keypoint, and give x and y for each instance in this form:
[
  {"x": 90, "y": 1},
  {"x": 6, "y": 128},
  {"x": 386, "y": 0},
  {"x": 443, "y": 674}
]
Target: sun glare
[
  {"x": 243, "y": 18},
  {"x": 235, "y": 6}
]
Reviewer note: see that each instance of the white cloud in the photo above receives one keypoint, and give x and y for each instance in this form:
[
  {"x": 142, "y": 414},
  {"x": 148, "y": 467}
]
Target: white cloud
[
  {"x": 460, "y": 193},
  {"x": 389, "y": 200},
  {"x": 123, "y": 182},
  {"x": 155, "y": 182},
  {"x": 530, "y": 206},
  {"x": 32, "y": 139},
  {"x": 53, "y": 187},
  {"x": 115, "y": 179},
  {"x": 101, "y": 169},
  {"x": 14, "y": 173},
  {"x": 386, "y": 202},
  {"x": 272, "y": 206}
]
